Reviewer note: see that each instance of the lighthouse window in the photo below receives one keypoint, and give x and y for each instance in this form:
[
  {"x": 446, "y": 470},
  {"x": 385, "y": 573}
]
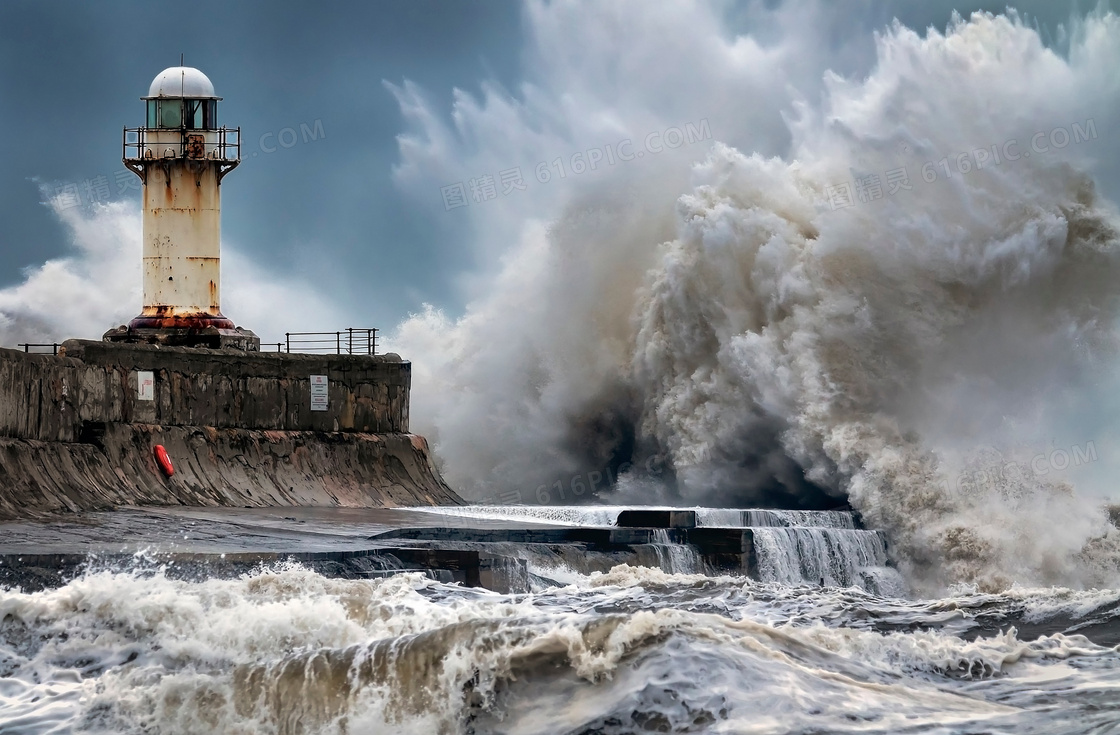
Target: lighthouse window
[
  {"x": 170, "y": 113},
  {"x": 210, "y": 114},
  {"x": 193, "y": 113},
  {"x": 152, "y": 114}
]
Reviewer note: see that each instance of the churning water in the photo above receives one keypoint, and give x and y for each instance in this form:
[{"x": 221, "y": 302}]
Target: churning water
[
  {"x": 792, "y": 546},
  {"x": 636, "y": 650},
  {"x": 825, "y": 641}
]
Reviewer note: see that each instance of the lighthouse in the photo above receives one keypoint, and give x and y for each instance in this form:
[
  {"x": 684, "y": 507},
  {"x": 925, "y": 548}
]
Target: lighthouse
[{"x": 182, "y": 156}]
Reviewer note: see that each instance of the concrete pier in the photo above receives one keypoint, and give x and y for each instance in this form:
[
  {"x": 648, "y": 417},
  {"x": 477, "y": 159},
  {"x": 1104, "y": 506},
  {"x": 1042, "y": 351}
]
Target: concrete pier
[
  {"x": 346, "y": 542},
  {"x": 658, "y": 518},
  {"x": 77, "y": 430},
  {"x": 282, "y": 457}
]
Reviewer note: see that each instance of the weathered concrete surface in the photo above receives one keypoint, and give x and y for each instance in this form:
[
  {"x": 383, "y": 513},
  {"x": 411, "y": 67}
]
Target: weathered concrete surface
[
  {"x": 52, "y": 398},
  {"x": 198, "y": 542},
  {"x": 657, "y": 518},
  {"x": 217, "y": 467},
  {"x": 76, "y": 435}
]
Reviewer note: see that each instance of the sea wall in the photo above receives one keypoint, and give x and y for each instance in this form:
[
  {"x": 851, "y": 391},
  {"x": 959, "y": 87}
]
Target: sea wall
[
  {"x": 77, "y": 430},
  {"x": 51, "y": 398}
]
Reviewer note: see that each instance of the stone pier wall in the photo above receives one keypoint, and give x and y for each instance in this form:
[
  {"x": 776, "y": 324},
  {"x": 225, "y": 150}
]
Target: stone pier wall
[
  {"x": 77, "y": 430},
  {"x": 50, "y": 398}
]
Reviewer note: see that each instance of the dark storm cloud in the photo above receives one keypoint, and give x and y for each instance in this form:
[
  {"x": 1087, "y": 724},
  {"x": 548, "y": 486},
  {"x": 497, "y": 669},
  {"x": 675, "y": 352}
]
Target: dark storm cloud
[{"x": 326, "y": 206}]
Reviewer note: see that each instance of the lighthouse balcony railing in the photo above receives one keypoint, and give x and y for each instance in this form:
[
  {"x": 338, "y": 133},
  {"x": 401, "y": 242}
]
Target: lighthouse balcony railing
[
  {"x": 350, "y": 341},
  {"x": 223, "y": 144}
]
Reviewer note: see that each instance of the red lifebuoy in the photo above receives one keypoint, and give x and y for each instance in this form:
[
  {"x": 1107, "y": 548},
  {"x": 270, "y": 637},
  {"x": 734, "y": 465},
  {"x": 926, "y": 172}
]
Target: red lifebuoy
[{"x": 163, "y": 460}]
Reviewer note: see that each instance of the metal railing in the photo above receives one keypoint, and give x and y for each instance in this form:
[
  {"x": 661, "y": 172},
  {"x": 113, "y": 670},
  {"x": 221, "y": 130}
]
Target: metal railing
[
  {"x": 41, "y": 348},
  {"x": 350, "y": 341},
  {"x": 227, "y": 147}
]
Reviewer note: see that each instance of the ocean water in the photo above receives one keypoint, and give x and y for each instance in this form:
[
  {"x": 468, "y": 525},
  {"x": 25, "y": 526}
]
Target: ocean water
[{"x": 634, "y": 650}]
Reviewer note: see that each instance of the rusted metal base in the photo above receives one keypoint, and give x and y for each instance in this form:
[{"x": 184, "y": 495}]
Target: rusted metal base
[
  {"x": 208, "y": 336},
  {"x": 182, "y": 321}
]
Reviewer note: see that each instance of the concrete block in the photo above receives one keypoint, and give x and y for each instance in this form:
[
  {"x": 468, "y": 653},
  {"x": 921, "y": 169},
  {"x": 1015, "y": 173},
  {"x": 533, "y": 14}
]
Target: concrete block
[
  {"x": 631, "y": 536},
  {"x": 657, "y": 519}
]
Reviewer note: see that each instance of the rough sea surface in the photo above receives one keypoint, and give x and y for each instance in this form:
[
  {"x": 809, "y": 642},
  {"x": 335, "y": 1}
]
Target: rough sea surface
[{"x": 635, "y": 650}]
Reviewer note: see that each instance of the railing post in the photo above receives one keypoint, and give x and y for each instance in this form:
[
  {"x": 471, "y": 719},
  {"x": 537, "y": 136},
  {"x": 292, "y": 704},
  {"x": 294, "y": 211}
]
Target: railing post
[{"x": 288, "y": 341}]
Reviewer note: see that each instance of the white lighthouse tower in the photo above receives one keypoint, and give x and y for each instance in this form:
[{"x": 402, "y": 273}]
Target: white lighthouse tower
[{"x": 181, "y": 155}]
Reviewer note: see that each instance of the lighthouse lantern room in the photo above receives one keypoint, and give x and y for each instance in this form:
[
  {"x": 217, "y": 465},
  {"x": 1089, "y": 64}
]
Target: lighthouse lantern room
[{"x": 181, "y": 155}]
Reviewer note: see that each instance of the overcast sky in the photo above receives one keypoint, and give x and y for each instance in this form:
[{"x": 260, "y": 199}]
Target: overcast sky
[
  {"x": 573, "y": 317},
  {"x": 326, "y": 209},
  {"x": 72, "y": 73}
]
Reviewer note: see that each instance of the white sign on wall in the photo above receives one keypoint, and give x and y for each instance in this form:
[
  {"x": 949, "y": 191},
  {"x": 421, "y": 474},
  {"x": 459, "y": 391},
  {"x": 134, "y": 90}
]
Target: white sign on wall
[
  {"x": 318, "y": 392},
  {"x": 145, "y": 385}
]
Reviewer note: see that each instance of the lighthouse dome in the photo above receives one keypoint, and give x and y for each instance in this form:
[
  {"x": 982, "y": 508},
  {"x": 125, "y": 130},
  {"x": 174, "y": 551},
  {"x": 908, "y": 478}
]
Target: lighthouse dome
[{"x": 181, "y": 82}]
